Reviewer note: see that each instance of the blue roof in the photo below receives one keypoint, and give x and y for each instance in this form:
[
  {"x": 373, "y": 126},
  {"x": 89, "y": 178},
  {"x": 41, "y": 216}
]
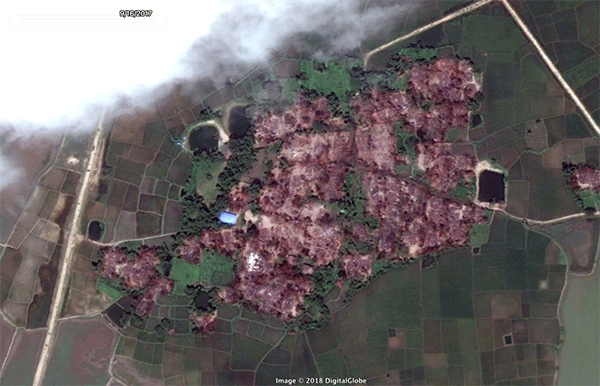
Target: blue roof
[{"x": 228, "y": 218}]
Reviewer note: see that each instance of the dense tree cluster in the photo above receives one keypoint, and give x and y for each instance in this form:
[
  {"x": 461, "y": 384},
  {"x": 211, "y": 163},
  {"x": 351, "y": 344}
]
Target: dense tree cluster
[
  {"x": 197, "y": 214},
  {"x": 352, "y": 206},
  {"x": 404, "y": 58},
  {"x": 208, "y": 113},
  {"x": 406, "y": 142}
]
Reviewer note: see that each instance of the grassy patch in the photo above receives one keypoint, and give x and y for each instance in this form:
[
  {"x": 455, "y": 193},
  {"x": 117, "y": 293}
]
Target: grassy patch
[
  {"x": 217, "y": 269},
  {"x": 331, "y": 364},
  {"x": 247, "y": 352},
  {"x": 109, "y": 289},
  {"x": 491, "y": 33},
  {"x": 584, "y": 72},
  {"x": 326, "y": 78},
  {"x": 456, "y": 277},
  {"x": 575, "y": 127},
  {"x": 479, "y": 235},
  {"x": 206, "y": 171},
  {"x": 184, "y": 272},
  {"x": 386, "y": 309}
]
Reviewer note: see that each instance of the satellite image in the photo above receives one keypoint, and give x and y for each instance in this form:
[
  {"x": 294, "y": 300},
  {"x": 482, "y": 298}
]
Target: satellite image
[{"x": 287, "y": 192}]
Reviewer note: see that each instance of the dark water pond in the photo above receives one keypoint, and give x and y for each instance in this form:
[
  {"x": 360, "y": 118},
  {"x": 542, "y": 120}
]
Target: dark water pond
[
  {"x": 201, "y": 301},
  {"x": 119, "y": 309},
  {"x": 491, "y": 186},
  {"x": 238, "y": 122},
  {"x": 476, "y": 120},
  {"x": 95, "y": 230},
  {"x": 204, "y": 139}
]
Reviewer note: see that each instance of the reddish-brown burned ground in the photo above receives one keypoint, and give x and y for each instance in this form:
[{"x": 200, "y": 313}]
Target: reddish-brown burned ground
[
  {"x": 191, "y": 251},
  {"x": 442, "y": 168},
  {"x": 585, "y": 177},
  {"x": 137, "y": 272},
  {"x": 358, "y": 266},
  {"x": 204, "y": 324},
  {"x": 414, "y": 221},
  {"x": 299, "y": 117},
  {"x": 297, "y": 226}
]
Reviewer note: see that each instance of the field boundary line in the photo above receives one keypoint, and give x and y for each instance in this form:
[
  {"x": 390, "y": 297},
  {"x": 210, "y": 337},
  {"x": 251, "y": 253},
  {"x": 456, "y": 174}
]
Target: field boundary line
[
  {"x": 551, "y": 66},
  {"x": 37, "y": 181},
  {"x": 469, "y": 8},
  {"x": 72, "y": 238},
  {"x": 10, "y": 347}
]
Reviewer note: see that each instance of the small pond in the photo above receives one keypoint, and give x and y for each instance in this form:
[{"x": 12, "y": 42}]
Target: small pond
[
  {"x": 202, "y": 301},
  {"x": 204, "y": 139},
  {"x": 119, "y": 309},
  {"x": 95, "y": 230},
  {"x": 491, "y": 186},
  {"x": 238, "y": 122}
]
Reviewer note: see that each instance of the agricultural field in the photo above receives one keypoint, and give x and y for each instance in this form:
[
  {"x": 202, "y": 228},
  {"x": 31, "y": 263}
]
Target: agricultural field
[
  {"x": 30, "y": 260},
  {"x": 215, "y": 269},
  {"x": 83, "y": 353},
  {"x": 8, "y": 331},
  {"x": 33, "y": 159},
  {"x": 19, "y": 367},
  {"x": 570, "y": 35},
  {"x": 481, "y": 318}
]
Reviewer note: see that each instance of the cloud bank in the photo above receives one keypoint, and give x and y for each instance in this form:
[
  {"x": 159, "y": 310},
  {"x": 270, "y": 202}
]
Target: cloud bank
[
  {"x": 51, "y": 74},
  {"x": 63, "y": 60}
]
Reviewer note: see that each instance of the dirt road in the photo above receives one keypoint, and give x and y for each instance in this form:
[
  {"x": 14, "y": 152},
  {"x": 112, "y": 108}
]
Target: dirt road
[
  {"x": 65, "y": 265},
  {"x": 453, "y": 15},
  {"x": 588, "y": 117}
]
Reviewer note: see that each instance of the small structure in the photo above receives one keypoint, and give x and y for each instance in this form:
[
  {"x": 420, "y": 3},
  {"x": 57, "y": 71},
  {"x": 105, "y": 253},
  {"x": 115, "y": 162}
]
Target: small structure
[{"x": 228, "y": 218}]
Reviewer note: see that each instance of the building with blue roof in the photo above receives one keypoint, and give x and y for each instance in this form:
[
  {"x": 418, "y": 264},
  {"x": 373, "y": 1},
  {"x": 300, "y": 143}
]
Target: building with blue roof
[{"x": 228, "y": 218}]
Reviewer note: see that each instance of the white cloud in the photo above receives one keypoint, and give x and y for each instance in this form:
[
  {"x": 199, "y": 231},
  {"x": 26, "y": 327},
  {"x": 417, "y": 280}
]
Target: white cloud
[
  {"x": 49, "y": 74},
  {"x": 9, "y": 171}
]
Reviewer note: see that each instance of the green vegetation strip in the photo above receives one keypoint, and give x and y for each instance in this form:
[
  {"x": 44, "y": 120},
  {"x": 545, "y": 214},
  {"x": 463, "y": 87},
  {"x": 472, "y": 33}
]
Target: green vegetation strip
[{"x": 108, "y": 289}]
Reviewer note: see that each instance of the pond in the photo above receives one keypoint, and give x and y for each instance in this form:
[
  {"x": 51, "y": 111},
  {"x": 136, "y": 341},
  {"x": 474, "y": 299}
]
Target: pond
[
  {"x": 202, "y": 301},
  {"x": 491, "y": 186},
  {"x": 95, "y": 230},
  {"x": 119, "y": 309},
  {"x": 204, "y": 139},
  {"x": 238, "y": 123}
]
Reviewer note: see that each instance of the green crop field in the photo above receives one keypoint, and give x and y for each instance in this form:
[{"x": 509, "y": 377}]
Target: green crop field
[
  {"x": 479, "y": 235},
  {"x": 327, "y": 78},
  {"x": 216, "y": 269},
  {"x": 185, "y": 273},
  {"x": 113, "y": 292}
]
